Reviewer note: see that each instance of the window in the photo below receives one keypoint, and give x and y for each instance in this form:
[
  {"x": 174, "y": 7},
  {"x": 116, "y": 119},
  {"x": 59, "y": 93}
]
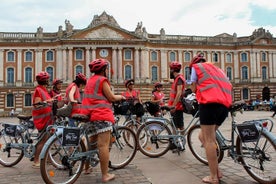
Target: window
[
  {"x": 10, "y": 77},
  {"x": 128, "y": 54},
  {"x": 10, "y": 56},
  {"x": 245, "y": 93},
  {"x": 263, "y": 56},
  {"x": 228, "y": 58},
  {"x": 79, "y": 69},
  {"x": 187, "y": 56},
  {"x": 244, "y": 72},
  {"x": 28, "y": 100},
  {"x": 229, "y": 73},
  {"x": 215, "y": 57},
  {"x": 264, "y": 73},
  {"x": 28, "y": 56},
  {"x": 153, "y": 56},
  {"x": 244, "y": 57},
  {"x": 172, "y": 56},
  {"x": 154, "y": 73},
  {"x": 50, "y": 71},
  {"x": 10, "y": 100},
  {"x": 128, "y": 72},
  {"x": 49, "y": 55},
  {"x": 187, "y": 74},
  {"x": 79, "y": 54},
  {"x": 28, "y": 75}
]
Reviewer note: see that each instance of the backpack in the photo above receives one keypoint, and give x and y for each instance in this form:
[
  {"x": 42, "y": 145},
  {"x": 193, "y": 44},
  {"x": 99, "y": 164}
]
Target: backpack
[{"x": 190, "y": 104}]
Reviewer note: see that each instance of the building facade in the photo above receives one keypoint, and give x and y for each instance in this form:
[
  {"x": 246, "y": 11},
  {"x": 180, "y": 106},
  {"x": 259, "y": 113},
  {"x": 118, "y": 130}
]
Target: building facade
[{"x": 249, "y": 62}]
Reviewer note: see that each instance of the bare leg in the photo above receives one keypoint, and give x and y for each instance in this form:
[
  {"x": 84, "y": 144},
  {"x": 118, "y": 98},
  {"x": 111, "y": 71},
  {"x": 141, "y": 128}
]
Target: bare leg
[
  {"x": 39, "y": 148},
  {"x": 103, "y": 146}
]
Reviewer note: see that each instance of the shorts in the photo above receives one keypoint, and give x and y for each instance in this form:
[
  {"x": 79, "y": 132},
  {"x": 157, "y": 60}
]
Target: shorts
[
  {"x": 178, "y": 119},
  {"x": 98, "y": 127},
  {"x": 212, "y": 114}
]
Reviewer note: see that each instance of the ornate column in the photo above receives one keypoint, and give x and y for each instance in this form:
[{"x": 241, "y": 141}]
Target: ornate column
[
  {"x": 209, "y": 56},
  {"x": 93, "y": 53},
  {"x": 38, "y": 61},
  {"x": 145, "y": 65},
  {"x": 164, "y": 65},
  {"x": 222, "y": 61},
  {"x": 70, "y": 64},
  {"x": 87, "y": 61},
  {"x": 273, "y": 61},
  {"x": 236, "y": 67},
  {"x": 65, "y": 65},
  {"x": 59, "y": 63},
  {"x": 120, "y": 66},
  {"x": 270, "y": 64},
  {"x": 258, "y": 65},
  {"x": 2, "y": 66},
  {"x": 114, "y": 66},
  {"x": 136, "y": 64}
]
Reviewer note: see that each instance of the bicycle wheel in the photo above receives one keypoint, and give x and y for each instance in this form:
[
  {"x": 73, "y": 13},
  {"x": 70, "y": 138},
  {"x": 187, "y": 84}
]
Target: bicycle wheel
[
  {"x": 123, "y": 148},
  {"x": 10, "y": 156},
  {"x": 157, "y": 141},
  {"x": 197, "y": 148},
  {"x": 135, "y": 126},
  {"x": 258, "y": 158},
  {"x": 62, "y": 167}
]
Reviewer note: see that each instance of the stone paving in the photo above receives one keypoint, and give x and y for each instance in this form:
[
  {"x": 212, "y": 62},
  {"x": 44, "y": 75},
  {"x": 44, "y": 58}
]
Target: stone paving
[{"x": 170, "y": 168}]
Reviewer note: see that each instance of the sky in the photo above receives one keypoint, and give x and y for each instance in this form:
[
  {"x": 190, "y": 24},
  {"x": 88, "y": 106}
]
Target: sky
[{"x": 177, "y": 17}]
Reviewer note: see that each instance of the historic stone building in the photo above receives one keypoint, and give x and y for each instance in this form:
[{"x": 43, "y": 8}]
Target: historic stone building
[{"x": 250, "y": 62}]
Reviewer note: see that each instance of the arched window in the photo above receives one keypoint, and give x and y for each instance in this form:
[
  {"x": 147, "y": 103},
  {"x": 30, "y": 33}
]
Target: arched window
[
  {"x": 10, "y": 56},
  {"x": 28, "y": 100},
  {"x": 228, "y": 58},
  {"x": 79, "y": 54},
  {"x": 245, "y": 93},
  {"x": 187, "y": 73},
  {"x": 264, "y": 73},
  {"x": 128, "y": 72},
  {"x": 28, "y": 56},
  {"x": 172, "y": 56},
  {"x": 10, "y": 100},
  {"x": 215, "y": 57},
  {"x": 187, "y": 56},
  {"x": 79, "y": 69},
  {"x": 263, "y": 56},
  {"x": 50, "y": 71},
  {"x": 10, "y": 75},
  {"x": 244, "y": 57},
  {"x": 28, "y": 75},
  {"x": 153, "y": 56},
  {"x": 128, "y": 54},
  {"x": 244, "y": 72},
  {"x": 229, "y": 73},
  {"x": 49, "y": 55},
  {"x": 154, "y": 73}
]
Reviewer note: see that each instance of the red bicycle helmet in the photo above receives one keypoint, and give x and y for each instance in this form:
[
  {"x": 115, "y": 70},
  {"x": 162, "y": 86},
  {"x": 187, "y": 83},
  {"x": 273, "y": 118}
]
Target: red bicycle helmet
[
  {"x": 57, "y": 81},
  {"x": 175, "y": 65},
  {"x": 128, "y": 82},
  {"x": 197, "y": 59},
  {"x": 81, "y": 77},
  {"x": 97, "y": 65},
  {"x": 158, "y": 84},
  {"x": 42, "y": 76}
]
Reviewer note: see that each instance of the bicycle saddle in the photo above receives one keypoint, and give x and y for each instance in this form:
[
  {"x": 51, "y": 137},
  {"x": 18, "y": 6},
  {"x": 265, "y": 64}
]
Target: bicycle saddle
[{"x": 237, "y": 106}]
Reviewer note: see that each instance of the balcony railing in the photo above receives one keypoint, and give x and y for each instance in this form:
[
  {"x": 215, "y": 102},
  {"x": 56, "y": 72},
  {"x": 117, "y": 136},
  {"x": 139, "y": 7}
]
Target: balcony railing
[
  {"x": 28, "y": 84},
  {"x": 245, "y": 80}
]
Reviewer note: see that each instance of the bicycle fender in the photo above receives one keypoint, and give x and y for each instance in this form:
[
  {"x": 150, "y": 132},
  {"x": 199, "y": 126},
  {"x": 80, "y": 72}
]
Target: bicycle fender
[
  {"x": 270, "y": 135},
  {"x": 58, "y": 132}
]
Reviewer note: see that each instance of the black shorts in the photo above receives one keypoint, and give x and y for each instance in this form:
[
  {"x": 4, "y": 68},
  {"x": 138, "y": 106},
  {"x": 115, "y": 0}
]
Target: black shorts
[
  {"x": 178, "y": 119},
  {"x": 212, "y": 114}
]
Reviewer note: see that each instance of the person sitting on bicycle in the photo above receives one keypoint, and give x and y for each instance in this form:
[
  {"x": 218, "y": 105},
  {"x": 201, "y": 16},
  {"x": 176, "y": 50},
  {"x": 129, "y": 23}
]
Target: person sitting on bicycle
[
  {"x": 97, "y": 105},
  {"x": 72, "y": 94},
  {"x": 42, "y": 114},
  {"x": 55, "y": 92},
  {"x": 214, "y": 95},
  {"x": 133, "y": 97},
  {"x": 158, "y": 96}
]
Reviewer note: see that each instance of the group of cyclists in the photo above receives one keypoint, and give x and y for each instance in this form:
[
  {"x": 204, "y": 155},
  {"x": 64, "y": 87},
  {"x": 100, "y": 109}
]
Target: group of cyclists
[{"x": 210, "y": 84}]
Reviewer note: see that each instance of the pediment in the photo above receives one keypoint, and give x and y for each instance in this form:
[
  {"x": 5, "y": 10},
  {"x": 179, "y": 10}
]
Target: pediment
[{"x": 105, "y": 33}]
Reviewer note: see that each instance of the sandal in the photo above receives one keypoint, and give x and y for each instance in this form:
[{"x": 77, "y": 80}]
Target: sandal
[{"x": 209, "y": 179}]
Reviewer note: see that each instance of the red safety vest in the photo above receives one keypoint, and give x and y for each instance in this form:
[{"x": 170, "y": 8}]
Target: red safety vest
[
  {"x": 212, "y": 85},
  {"x": 132, "y": 94},
  {"x": 159, "y": 96},
  {"x": 76, "y": 107},
  {"x": 42, "y": 116},
  {"x": 53, "y": 93},
  {"x": 94, "y": 103},
  {"x": 174, "y": 91}
]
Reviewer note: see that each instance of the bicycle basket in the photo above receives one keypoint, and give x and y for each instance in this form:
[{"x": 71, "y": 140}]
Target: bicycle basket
[
  {"x": 121, "y": 108},
  {"x": 10, "y": 130},
  {"x": 138, "y": 109},
  {"x": 152, "y": 108},
  {"x": 65, "y": 111},
  {"x": 248, "y": 131},
  {"x": 190, "y": 104}
]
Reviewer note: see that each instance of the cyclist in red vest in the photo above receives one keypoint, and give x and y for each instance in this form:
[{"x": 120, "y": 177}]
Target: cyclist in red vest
[
  {"x": 42, "y": 114},
  {"x": 214, "y": 95},
  {"x": 72, "y": 94},
  {"x": 177, "y": 89},
  {"x": 97, "y": 105},
  {"x": 157, "y": 94},
  {"x": 55, "y": 92}
]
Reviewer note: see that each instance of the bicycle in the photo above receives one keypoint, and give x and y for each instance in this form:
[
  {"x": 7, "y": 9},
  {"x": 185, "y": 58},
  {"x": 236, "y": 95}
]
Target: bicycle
[
  {"x": 20, "y": 140},
  {"x": 254, "y": 149},
  {"x": 71, "y": 149}
]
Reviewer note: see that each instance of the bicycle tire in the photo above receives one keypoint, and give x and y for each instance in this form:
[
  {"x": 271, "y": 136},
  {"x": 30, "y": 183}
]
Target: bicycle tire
[
  {"x": 12, "y": 156},
  {"x": 135, "y": 126},
  {"x": 260, "y": 166},
  {"x": 156, "y": 145},
  {"x": 60, "y": 172},
  {"x": 197, "y": 148},
  {"x": 123, "y": 149}
]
